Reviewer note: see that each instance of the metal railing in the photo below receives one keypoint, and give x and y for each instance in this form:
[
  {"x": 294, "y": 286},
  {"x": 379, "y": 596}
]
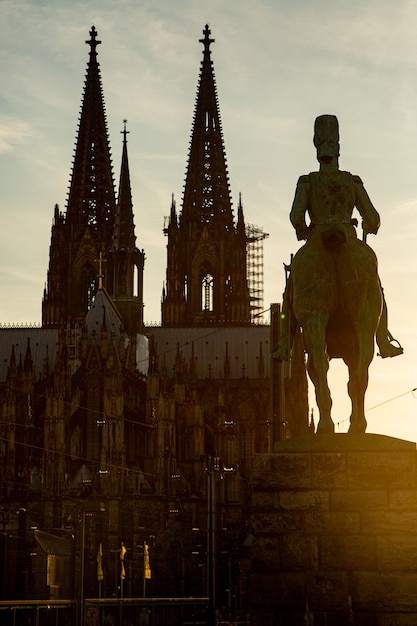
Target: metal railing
[{"x": 107, "y": 612}]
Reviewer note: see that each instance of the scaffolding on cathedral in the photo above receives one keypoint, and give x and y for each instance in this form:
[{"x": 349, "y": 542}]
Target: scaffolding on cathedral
[{"x": 255, "y": 270}]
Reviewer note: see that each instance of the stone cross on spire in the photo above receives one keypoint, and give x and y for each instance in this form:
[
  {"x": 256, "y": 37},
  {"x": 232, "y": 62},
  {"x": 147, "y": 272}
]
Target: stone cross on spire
[
  {"x": 207, "y": 41},
  {"x": 93, "y": 42},
  {"x": 124, "y": 132}
]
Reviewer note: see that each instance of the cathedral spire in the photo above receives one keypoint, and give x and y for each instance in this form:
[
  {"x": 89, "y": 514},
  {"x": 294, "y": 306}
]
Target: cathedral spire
[
  {"x": 173, "y": 214},
  {"x": 91, "y": 199},
  {"x": 124, "y": 235},
  {"x": 87, "y": 227},
  {"x": 206, "y": 253},
  {"x": 240, "y": 219},
  {"x": 126, "y": 262},
  {"x": 206, "y": 193}
]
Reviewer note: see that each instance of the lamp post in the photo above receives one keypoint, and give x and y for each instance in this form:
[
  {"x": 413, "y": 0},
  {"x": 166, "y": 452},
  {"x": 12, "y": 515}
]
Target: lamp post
[
  {"x": 214, "y": 468},
  {"x": 92, "y": 507},
  {"x": 4, "y": 519},
  {"x": 122, "y": 577},
  {"x": 82, "y": 550}
]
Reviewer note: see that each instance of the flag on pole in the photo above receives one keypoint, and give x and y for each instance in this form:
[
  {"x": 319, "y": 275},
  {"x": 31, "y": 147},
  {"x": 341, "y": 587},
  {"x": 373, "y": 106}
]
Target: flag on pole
[
  {"x": 122, "y": 562},
  {"x": 100, "y": 574},
  {"x": 146, "y": 562}
]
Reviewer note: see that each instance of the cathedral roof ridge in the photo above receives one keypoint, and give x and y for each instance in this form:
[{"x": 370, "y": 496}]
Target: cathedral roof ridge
[{"x": 20, "y": 325}]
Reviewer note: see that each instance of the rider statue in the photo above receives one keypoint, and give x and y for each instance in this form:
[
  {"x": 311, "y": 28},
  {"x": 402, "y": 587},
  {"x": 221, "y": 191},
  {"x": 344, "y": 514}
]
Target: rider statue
[{"x": 329, "y": 197}]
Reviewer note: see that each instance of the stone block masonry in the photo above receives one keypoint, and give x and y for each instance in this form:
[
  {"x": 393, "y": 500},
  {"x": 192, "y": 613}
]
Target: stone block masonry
[{"x": 334, "y": 525}]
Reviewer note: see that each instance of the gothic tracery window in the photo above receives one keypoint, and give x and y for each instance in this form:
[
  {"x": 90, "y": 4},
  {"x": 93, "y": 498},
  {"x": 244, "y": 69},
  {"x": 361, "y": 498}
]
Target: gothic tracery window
[
  {"x": 88, "y": 286},
  {"x": 207, "y": 286}
]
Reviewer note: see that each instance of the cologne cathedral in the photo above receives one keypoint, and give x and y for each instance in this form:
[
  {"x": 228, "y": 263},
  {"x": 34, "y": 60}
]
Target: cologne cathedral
[{"x": 122, "y": 439}]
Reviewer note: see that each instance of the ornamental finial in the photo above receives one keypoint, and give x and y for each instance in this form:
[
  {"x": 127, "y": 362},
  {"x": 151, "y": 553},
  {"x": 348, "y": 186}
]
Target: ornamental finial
[
  {"x": 124, "y": 131},
  {"x": 207, "y": 40},
  {"x": 93, "y": 42}
]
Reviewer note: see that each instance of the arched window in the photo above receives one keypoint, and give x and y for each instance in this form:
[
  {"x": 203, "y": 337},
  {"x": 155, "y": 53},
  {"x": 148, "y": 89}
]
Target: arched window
[
  {"x": 135, "y": 281},
  {"x": 88, "y": 286},
  {"x": 91, "y": 292},
  {"x": 186, "y": 287},
  {"x": 207, "y": 286}
]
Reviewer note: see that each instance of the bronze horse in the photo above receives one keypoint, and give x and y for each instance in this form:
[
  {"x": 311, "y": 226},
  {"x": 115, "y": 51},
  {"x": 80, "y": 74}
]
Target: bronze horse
[{"x": 334, "y": 292}]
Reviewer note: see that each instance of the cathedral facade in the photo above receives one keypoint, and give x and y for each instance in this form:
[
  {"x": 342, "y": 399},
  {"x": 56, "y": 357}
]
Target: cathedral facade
[{"x": 114, "y": 434}]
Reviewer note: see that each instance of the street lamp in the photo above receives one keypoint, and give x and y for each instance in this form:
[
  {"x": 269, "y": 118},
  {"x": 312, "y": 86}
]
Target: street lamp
[
  {"x": 213, "y": 468},
  {"x": 93, "y": 507}
]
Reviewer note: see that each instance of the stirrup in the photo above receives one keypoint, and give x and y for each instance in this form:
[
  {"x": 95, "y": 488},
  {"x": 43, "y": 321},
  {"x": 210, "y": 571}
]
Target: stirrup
[{"x": 389, "y": 349}]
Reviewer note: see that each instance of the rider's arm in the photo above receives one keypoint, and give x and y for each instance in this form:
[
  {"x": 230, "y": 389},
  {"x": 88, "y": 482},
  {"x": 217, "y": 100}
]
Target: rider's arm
[
  {"x": 370, "y": 216},
  {"x": 299, "y": 208}
]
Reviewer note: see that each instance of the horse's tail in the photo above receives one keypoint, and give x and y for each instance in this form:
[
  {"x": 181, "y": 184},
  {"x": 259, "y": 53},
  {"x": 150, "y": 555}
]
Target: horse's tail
[{"x": 296, "y": 389}]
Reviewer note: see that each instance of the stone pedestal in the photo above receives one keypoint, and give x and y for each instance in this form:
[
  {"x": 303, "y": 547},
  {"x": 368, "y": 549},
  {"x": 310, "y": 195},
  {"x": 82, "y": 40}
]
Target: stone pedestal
[{"x": 334, "y": 525}]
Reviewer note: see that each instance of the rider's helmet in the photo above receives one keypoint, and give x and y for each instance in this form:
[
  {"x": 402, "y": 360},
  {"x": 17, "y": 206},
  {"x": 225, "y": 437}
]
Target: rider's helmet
[{"x": 326, "y": 137}]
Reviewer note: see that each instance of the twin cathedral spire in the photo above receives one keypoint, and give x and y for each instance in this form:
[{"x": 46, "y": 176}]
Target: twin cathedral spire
[
  {"x": 206, "y": 276},
  {"x": 95, "y": 224},
  {"x": 206, "y": 264}
]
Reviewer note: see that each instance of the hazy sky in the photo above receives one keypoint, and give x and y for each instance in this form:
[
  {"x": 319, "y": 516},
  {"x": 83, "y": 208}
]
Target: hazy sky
[{"x": 278, "y": 64}]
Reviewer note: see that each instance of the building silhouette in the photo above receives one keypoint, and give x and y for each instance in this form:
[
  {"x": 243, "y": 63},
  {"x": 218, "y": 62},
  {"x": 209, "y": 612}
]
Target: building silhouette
[{"x": 113, "y": 432}]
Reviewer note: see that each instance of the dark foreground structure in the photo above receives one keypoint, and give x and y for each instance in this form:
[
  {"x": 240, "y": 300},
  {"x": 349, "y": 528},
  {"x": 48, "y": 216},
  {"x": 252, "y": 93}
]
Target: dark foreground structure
[
  {"x": 140, "y": 611},
  {"x": 168, "y": 474},
  {"x": 334, "y": 532}
]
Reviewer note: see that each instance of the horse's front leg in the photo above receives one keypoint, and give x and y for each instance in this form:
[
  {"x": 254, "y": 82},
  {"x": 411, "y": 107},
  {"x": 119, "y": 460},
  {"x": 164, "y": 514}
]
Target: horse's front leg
[
  {"x": 358, "y": 382},
  {"x": 317, "y": 367}
]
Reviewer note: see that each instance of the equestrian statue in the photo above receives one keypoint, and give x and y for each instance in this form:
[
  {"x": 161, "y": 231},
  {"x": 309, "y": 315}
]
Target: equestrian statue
[{"x": 333, "y": 293}]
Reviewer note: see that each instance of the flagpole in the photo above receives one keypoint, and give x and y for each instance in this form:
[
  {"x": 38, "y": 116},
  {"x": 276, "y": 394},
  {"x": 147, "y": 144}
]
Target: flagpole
[
  {"x": 120, "y": 601},
  {"x": 82, "y": 550},
  {"x": 122, "y": 577},
  {"x": 144, "y": 569},
  {"x": 146, "y": 566},
  {"x": 122, "y": 567},
  {"x": 100, "y": 568}
]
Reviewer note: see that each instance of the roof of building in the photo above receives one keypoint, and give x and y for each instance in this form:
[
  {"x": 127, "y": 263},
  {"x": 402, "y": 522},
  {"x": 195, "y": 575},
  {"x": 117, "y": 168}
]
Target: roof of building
[
  {"x": 42, "y": 342},
  {"x": 214, "y": 351},
  {"x": 52, "y": 544},
  {"x": 103, "y": 315}
]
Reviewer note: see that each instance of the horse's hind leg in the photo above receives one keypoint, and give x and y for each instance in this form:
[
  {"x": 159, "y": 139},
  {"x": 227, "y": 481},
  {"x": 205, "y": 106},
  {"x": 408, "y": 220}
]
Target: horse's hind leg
[
  {"x": 317, "y": 367},
  {"x": 358, "y": 383}
]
